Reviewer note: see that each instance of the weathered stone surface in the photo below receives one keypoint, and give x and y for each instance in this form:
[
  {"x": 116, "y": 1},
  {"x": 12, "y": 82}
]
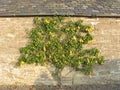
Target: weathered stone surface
[
  {"x": 60, "y": 7},
  {"x": 109, "y": 73},
  {"x": 13, "y": 36}
]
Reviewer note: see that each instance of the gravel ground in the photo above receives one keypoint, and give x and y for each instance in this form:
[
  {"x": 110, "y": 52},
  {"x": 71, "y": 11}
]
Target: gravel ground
[{"x": 78, "y": 87}]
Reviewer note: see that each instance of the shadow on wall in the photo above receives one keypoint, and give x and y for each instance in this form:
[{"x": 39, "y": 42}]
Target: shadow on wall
[
  {"x": 45, "y": 79},
  {"x": 106, "y": 77}
]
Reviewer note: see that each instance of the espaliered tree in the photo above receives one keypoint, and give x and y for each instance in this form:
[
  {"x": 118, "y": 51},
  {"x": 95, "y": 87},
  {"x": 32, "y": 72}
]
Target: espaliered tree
[{"x": 54, "y": 41}]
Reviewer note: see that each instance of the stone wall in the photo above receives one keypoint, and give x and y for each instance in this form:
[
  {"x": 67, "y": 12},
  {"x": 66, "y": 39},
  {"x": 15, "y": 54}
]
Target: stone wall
[{"x": 13, "y": 36}]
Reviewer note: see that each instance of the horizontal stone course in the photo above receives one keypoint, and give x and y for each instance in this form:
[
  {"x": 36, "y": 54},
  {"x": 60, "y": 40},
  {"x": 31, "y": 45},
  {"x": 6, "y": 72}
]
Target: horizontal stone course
[
  {"x": 76, "y": 87},
  {"x": 60, "y": 7}
]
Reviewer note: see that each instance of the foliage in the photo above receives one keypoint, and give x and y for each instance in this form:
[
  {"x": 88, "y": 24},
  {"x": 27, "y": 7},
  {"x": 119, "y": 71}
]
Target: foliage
[{"x": 60, "y": 43}]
